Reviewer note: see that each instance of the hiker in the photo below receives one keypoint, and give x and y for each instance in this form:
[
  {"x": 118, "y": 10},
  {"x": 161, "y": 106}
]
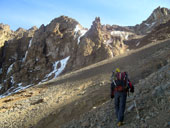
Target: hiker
[{"x": 120, "y": 86}]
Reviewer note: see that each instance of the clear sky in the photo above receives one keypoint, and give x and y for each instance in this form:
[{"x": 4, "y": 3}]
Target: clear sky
[{"x": 28, "y": 13}]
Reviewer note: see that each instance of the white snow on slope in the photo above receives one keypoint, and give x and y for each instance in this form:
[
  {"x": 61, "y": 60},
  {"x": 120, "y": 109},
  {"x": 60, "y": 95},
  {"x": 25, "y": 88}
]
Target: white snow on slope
[
  {"x": 150, "y": 25},
  {"x": 0, "y": 70},
  {"x": 138, "y": 44},
  {"x": 153, "y": 23},
  {"x": 82, "y": 32},
  {"x": 12, "y": 80},
  {"x": 78, "y": 28},
  {"x": 55, "y": 70},
  {"x": 147, "y": 24},
  {"x": 0, "y": 86},
  {"x": 30, "y": 43},
  {"x": 121, "y": 34},
  {"x": 108, "y": 42},
  {"x": 10, "y": 68},
  {"x": 13, "y": 90},
  {"x": 26, "y": 53}
]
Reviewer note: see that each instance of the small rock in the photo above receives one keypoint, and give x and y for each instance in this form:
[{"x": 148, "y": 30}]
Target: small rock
[
  {"x": 85, "y": 124},
  {"x": 94, "y": 107},
  {"x": 144, "y": 125},
  {"x": 147, "y": 117},
  {"x": 167, "y": 124},
  {"x": 37, "y": 102},
  {"x": 130, "y": 108}
]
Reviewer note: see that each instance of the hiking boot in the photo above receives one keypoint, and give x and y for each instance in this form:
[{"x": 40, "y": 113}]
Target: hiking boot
[{"x": 120, "y": 124}]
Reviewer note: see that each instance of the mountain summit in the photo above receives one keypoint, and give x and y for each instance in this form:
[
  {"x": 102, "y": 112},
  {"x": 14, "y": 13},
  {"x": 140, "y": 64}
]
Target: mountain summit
[{"x": 158, "y": 16}]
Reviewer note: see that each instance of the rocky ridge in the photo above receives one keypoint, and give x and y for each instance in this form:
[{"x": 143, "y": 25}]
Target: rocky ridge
[
  {"x": 37, "y": 55},
  {"x": 159, "y": 16},
  {"x": 59, "y": 101},
  {"x": 61, "y": 45},
  {"x": 161, "y": 32},
  {"x": 5, "y": 34}
]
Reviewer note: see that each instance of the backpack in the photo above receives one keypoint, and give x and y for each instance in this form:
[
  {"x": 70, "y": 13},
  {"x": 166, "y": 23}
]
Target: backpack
[{"x": 121, "y": 81}]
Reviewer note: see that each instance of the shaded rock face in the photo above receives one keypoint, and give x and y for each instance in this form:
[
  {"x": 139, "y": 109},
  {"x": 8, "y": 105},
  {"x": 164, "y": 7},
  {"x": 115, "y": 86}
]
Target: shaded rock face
[
  {"x": 35, "y": 56},
  {"x": 50, "y": 44},
  {"x": 159, "y": 16},
  {"x": 11, "y": 58}
]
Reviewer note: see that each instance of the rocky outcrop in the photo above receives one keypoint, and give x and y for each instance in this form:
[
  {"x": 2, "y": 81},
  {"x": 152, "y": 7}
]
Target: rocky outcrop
[
  {"x": 159, "y": 16},
  {"x": 11, "y": 58},
  {"x": 159, "y": 33},
  {"x": 98, "y": 43},
  {"x": 5, "y": 34},
  {"x": 33, "y": 56}
]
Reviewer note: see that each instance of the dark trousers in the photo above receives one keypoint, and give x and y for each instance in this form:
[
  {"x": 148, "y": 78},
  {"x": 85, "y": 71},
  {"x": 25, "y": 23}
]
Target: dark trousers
[{"x": 120, "y": 105}]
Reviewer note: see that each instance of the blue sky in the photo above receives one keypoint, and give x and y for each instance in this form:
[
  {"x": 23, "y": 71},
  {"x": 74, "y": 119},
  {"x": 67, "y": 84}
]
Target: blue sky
[{"x": 28, "y": 13}]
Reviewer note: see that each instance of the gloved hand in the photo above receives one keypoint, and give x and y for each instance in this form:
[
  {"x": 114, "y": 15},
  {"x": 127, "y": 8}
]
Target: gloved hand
[
  {"x": 132, "y": 89},
  {"x": 112, "y": 96}
]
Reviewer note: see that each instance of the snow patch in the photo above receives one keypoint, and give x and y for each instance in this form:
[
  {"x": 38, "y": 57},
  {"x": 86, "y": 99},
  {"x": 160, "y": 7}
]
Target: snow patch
[
  {"x": 147, "y": 24},
  {"x": 13, "y": 90},
  {"x": 0, "y": 86},
  {"x": 150, "y": 25},
  {"x": 94, "y": 107},
  {"x": 26, "y": 53},
  {"x": 25, "y": 56},
  {"x": 55, "y": 70},
  {"x": 30, "y": 43},
  {"x": 138, "y": 44},
  {"x": 109, "y": 41},
  {"x": 0, "y": 70},
  {"x": 82, "y": 32},
  {"x": 12, "y": 80},
  {"x": 19, "y": 84},
  {"x": 123, "y": 34},
  {"x": 78, "y": 28},
  {"x": 153, "y": 23},
  {"x": 10, "y": 68}
]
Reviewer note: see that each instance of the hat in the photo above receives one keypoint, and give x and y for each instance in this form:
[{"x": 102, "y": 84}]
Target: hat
[{"x": 117, "y": 70}]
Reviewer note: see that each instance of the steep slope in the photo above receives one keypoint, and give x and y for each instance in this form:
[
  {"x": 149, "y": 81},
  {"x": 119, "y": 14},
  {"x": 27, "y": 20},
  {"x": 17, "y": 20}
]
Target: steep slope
[
  {"x": 35, "y": 56},
  {"x": 160, "y": 32},
  {"x": 54, "y": 103},
  {"x": 159, "y": 16},
  {"x": 11, "y": 58},
  {"x": 152, "y": 98}
]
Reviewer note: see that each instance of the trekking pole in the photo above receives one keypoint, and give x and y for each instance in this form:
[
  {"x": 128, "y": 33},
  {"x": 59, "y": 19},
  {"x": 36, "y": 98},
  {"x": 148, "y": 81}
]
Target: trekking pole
[
  {"x": 137, "y": 111},
  {"x": 111, "y": 102}
]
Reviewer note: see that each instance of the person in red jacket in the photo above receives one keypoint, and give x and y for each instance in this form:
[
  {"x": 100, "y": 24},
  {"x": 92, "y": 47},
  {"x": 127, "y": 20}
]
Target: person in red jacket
[{"x": 119, "y": 88}]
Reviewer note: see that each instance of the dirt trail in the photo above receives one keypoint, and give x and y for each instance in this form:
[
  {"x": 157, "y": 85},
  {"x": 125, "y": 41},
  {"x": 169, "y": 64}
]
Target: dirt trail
[{"x": 58, "y": 101}]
